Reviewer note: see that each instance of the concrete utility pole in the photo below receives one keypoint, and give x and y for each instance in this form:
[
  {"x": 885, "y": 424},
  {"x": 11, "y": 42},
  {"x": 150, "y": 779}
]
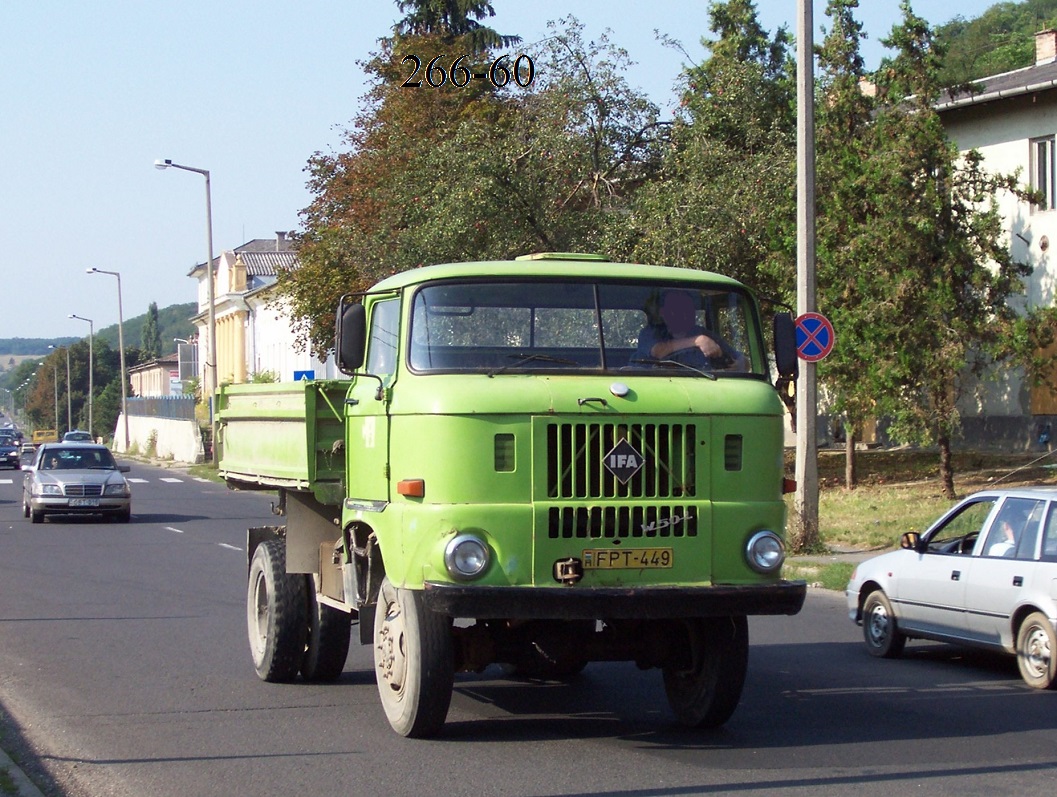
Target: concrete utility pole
[{"x": 805, "y": 530}]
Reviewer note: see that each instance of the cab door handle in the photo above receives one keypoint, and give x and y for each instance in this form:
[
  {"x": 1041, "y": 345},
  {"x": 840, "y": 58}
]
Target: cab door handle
[
  {"x": 1018, "y": 581},
  {"x": 956, "y": 575}
]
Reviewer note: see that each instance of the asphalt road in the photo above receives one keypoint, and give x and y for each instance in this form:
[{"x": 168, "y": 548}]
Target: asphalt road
[{"x": 124, "y": 670}]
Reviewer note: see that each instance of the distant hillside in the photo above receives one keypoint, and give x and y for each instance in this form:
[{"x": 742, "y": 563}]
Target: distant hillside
[
  {"x": 173, "y": 322},
  {"x": 1000, "y": 40}
]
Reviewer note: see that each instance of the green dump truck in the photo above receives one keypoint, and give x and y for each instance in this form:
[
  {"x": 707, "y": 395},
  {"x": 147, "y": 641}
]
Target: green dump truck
[{"x": 538, "y": 463}]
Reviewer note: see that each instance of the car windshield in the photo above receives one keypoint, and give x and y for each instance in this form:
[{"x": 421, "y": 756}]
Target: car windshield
[
  {"x": 651, "y": 328},
  {"x": 77, "y": 459}
]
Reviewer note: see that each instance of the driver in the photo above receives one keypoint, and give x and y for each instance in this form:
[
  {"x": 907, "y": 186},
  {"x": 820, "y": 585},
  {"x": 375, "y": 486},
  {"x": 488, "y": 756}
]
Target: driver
[{"x": 680, "y": 338}]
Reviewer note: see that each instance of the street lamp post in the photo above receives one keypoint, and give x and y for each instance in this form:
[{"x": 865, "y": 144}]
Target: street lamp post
[
  {"x": 91, "y": 355},
  {"x": 69, "y": 398},
  {"x": 211, "y": 366},
  {"x": 121, "y": 345}
]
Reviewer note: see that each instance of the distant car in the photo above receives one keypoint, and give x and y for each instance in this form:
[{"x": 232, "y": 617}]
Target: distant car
[
  {"x": 982, "y": 576},
  {"x": 28, "y": 449},
  {"x": 9, "y": 452},
  {"x": 77, "y": 436},
  {"x": 75, "y": 478}
]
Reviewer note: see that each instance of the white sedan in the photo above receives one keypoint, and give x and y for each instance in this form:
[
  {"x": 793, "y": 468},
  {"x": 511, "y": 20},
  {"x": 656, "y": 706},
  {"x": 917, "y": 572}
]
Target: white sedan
[{"x": 982, "y": 576}]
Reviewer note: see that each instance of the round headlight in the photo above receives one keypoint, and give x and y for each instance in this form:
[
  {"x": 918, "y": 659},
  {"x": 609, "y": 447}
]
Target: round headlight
[
  {"x": 765, "y": 552},
  {"x": 466, "y": 556}
]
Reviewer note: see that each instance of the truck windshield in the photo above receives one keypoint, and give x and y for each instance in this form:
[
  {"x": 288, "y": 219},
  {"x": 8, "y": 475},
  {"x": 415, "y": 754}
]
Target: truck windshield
[{"x": 652, "y": 328}]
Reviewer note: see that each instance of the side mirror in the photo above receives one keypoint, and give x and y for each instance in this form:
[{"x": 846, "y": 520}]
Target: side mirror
[
  {"x": 785, "y": 346},
  {"x": 911, "y": 541},
  {"x": 124, "y": 468},
  {"x": 350, "y": 337}
]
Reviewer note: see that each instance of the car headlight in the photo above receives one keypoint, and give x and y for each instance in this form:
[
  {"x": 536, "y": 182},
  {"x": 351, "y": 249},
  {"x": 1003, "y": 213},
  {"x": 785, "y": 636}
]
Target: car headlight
[
  {"x": 49, "y": 489},
  {"x": 466, "y": 556},
  {"x": 765, "y": 552},
  {"x": 120, "y": 488}
]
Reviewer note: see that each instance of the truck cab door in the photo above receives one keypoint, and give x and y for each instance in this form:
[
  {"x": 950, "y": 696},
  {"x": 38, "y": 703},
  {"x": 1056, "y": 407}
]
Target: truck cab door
[{"x": 367, "y": 409}]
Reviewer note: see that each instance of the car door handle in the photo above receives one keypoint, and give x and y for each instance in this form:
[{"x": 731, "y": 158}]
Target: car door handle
[
  {"x": 956, "y": 575},
  {"x": 1018, "y": 581}
]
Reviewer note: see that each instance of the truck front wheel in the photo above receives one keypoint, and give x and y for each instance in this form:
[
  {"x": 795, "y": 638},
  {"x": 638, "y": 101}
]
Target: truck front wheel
[
  {"x": 276, "y": 614},
  {"x": 705, "y": 689},
  {"x": 414, "y": 661}
]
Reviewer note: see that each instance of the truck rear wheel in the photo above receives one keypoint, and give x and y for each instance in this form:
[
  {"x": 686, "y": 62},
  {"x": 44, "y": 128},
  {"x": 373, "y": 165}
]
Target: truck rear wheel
[
  {"x": 327, "y": 647},
  {"x": 705, "y": 692},
  {"x": 414, "y": 661},
  {"x": 276, "y": 615}
]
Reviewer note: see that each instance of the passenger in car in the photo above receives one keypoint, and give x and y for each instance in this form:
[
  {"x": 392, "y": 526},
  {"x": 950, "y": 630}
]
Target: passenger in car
[{"x": 1007, "y": 541}]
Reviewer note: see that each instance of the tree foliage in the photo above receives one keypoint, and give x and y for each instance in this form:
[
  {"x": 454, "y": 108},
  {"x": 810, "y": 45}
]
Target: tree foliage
[{"x": 151, "y": 335}]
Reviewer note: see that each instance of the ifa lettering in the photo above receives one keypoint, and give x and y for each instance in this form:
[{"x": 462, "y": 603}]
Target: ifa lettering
[{"x": 623, "y": 461}]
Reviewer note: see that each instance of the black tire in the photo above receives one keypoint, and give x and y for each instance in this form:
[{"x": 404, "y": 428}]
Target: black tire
[
  {"x": 414, "y": 662},
  {"x": 880, "y": 631},
  {"x": 276, "y": 614},
  {"x": 123, "y": 516},
  {"x": 25, "y": 507},
  {"x": 36, "y": 516},
  {"x": 1036, "y": 651},
  {"x": 706, "y": 694},
  {"x": 327, "y": 645}
]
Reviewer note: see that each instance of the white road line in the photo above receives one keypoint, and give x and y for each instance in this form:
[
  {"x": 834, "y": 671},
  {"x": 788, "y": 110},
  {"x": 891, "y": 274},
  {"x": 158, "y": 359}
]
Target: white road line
[
  {"x": 200, "y": 479},
  {"x": 229, "y": 547},
  {"x": 170, "y": 528},
  {"x": 135, "y": 481},
  {"x": 171, "y": 480},
  {"x": 6, "y": 481}
]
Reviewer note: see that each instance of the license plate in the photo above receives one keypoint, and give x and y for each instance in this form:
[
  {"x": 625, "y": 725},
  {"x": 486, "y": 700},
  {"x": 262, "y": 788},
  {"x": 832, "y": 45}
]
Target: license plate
[
  {"x": 627, "y": 558},
  {"x": 84, "y": 502}
]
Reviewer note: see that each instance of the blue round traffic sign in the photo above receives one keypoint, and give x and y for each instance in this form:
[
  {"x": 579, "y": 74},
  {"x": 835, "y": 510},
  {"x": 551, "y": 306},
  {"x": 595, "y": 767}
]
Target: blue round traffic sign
[{"x": 814, "y": 337}]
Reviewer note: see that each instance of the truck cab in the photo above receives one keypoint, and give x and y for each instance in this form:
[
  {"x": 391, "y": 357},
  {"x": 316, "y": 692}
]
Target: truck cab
[{"x": 545, "y": 462}]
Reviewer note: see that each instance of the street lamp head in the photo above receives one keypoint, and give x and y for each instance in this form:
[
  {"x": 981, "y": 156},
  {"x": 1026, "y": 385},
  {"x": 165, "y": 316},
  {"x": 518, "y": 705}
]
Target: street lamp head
[
  {"x": 91, "y": 270},
  {"x": 162, "y": 164}
]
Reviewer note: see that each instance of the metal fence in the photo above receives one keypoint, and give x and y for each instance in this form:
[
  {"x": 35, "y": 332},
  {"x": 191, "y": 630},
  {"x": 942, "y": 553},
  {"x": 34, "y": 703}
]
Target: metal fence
[{"x": 181, "y": 408}]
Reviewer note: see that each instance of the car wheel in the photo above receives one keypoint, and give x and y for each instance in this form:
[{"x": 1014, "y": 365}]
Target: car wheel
[
  {"x": 1036, "y": 647},
  {"x": 705, "y": 692},
  {"x": 414, "y": 661},
  {"x": 879, "y": 630},
  {"x": 25, "y": 507},
  {"x": 124, "y": 516},
  {"x": 276, "y": 614},
  {"x": 327, "y": 647}
]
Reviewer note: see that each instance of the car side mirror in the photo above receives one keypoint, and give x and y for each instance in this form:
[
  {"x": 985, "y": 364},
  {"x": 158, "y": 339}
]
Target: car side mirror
[
  {"x": 785, "y": 358},
  {"x": 910, "y": 540},
  {"x": 124, "y": 468},
  {"x": 350, "y": 336}
]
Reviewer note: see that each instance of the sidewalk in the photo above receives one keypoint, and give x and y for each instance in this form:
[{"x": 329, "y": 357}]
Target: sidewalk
[{"x": 11, "y": 777}]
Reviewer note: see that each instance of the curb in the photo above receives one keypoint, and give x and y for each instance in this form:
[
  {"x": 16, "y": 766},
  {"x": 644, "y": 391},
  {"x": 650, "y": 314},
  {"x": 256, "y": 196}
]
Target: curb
[{"x": 23, "y": 786}]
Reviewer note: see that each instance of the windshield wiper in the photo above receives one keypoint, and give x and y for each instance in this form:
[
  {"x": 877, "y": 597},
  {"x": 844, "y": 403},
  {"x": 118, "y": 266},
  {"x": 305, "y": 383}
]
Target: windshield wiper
[
  {"x": 651, "y": 361},
  {"x": 524, "y": 358}
]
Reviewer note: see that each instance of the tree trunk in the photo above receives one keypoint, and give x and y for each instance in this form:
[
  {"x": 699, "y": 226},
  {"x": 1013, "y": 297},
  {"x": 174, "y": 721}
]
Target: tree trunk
[
  {"x": 849, "y": 456},
  {"x": 946, "y": 466}
]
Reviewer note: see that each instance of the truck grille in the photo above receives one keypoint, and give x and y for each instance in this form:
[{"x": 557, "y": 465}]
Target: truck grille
[
  {"x": 81, "y": 490},
  {"x": 621, "y": 521},
  {"x": 576, "y": 453}
]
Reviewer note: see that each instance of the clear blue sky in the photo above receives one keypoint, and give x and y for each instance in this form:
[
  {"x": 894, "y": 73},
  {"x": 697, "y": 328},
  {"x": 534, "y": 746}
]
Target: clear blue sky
[{"x": 94, "y": 92}]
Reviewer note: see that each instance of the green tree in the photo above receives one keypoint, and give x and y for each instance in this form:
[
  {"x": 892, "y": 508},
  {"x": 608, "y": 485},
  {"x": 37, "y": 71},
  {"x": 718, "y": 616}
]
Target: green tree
[
  {"x": 950, "y": 275},
  {"x": 724, "y": 197},
  {"x": 151, "y": 336},
  {"x": 849, "y": 275},
  {"x": 451, "y": 19}
]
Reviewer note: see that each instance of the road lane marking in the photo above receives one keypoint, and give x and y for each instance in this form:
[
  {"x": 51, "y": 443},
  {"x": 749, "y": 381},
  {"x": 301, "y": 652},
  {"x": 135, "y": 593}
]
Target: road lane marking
[
  {"x": 135, "y": 481},
  {"x": 6, "y": 481},
  {"x": 229, "y": 547},
  {"x": 171, "y": 480},
  {"x": 170, "y": 528}
]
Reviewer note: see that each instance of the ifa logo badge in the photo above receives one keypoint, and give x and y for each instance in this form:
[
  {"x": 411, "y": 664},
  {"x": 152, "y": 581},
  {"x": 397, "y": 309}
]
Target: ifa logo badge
[{"x": 623, "y": 461}]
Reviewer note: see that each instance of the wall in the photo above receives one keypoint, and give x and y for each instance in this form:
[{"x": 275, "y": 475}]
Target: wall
[{"x": 178, "y": 440}]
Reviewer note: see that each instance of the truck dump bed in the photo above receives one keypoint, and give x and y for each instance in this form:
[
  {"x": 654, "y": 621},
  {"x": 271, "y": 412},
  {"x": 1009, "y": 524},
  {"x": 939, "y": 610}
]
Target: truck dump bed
[{"x": 285, "y": 434}]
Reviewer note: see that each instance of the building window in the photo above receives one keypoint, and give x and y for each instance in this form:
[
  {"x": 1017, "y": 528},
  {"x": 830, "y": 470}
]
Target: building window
[{"x": 1042, "y": 171}]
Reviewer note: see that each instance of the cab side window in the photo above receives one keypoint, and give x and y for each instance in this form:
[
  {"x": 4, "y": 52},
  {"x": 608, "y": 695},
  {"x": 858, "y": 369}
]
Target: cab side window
[{"x": 384, "y": 336}]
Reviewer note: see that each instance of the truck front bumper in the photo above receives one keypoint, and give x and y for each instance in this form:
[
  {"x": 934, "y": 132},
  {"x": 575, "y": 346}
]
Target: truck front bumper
[{"x": 641, "y": 603}]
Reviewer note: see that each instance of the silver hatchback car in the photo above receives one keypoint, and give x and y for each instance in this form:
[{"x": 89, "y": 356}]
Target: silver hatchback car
[
  {"x": 982, "y": 575},
  {"x": 75, "y": 478}
]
